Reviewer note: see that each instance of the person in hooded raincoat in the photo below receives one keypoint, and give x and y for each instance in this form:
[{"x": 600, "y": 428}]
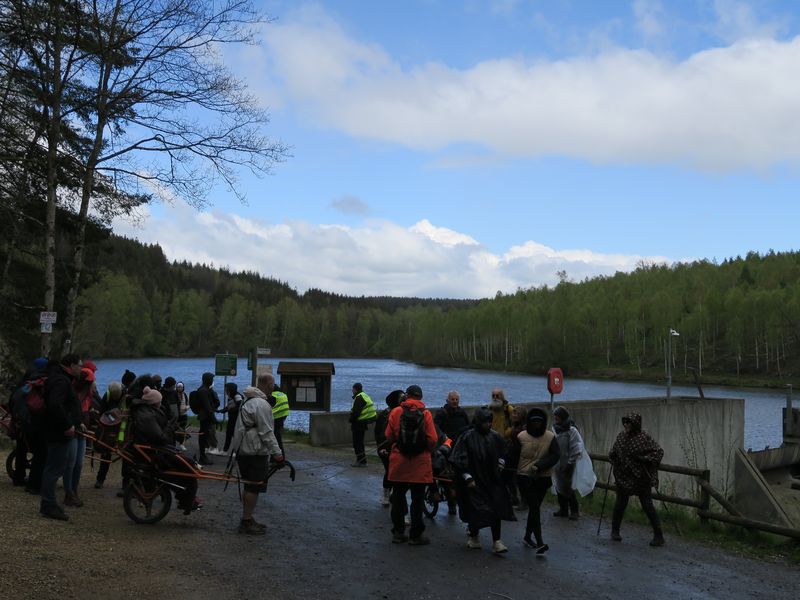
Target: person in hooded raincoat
[
  {"x": 570, "y": 445},
  {"x": 635, "y": 457},
  {"x": 536, "y": 450},
  {"x": 478, "y": 458}
]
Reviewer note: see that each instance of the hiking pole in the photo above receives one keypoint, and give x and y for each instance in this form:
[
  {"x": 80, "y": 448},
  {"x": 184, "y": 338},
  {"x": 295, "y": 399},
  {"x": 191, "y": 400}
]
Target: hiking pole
[{"x": 605, "y": 496}]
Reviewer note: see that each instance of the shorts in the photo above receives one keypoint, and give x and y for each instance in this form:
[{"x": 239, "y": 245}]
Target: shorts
[{"x": 253, "y": 468}]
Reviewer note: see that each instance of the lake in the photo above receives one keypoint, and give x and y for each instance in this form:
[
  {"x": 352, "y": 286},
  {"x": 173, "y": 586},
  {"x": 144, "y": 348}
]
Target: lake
[{"x": 380, "y": 376}]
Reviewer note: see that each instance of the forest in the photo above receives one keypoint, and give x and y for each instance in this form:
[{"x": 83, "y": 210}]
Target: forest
[{"x": 737, "y": 319}]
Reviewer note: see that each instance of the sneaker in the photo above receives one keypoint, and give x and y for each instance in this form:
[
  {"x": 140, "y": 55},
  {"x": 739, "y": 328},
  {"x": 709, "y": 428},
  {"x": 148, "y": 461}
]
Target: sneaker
[
  {"x": 473, "y": 542},
  {"x": 616, "y": 536},
  {"x": 658, "y": 540},
  {"x": 72, "y": 500},
  {"x": 98, "y": 485},
  {"x": 249, "y": 527},
  {"x": 561, "y": 513},
  {"x": 420, "y": 540},
  {"x": 54, "y": 512},
  {"x": 358, "y": 464},
  {"x": 196, "y": 505},
  {"x": 257, "y": 524},
  {"x": 399, "y": 538},
  {"x": 528, "y": 542},
  {"x": 542, "y": 549},
  {"x": 499, "y": 547},
  {"x": 181, "y": 447},
  {"x": 385, "y": 498}
]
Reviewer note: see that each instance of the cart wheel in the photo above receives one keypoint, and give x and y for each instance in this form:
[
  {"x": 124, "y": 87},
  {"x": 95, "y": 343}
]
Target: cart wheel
[
  {"x": 146, "y": 501},
  {"x": 431, "y": 505},
  {"x": 10, "y": 463}
]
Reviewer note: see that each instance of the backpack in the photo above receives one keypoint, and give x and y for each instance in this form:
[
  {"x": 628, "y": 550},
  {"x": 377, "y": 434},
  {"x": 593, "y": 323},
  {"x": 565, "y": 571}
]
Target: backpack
[
  {"x": 34, "y": 396},
  {"x": 195, "y": 403},
  {"x": 412, "y": 439}
]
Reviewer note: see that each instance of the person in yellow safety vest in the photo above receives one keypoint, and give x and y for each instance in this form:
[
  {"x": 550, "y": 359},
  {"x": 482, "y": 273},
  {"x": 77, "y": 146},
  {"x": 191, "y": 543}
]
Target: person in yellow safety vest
[
  {"x": 280, "y": 410},
  {"x": 362, "y": 413}
]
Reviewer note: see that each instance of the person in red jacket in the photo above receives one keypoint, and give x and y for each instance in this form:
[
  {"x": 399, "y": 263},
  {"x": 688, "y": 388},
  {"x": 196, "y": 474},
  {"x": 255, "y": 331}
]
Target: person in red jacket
[{"x": 412, "y": 436}]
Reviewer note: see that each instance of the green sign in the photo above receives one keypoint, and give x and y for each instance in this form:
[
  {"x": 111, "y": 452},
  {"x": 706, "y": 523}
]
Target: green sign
[{"x": 225, "y": 365}]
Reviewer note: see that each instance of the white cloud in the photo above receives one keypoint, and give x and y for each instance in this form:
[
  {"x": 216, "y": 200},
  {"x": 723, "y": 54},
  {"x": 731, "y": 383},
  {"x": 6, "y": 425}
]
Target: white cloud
[
  {"x": 648, "y": 14},
  {"x": 720, "y": 109},
  {"x": 380, "y": 258}
]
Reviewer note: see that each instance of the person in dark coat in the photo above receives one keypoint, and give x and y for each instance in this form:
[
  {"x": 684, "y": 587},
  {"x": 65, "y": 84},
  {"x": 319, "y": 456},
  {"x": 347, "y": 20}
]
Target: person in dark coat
[
  {"x": 451, "y": 418},
  {"x": 209, "y": 403},
  {"x": 62, "y": 420},
  {"x": 30, "y": 436},
  {"x": 635, "y": 457},
  {"x": 152, "y": 427},
  {"x": 570, "y": 445},
  {"x": 233, "y": 400},
  {"x": 393, "y": 400},
  {"x": 478, "y": 458},
  {"x": 535, "y": 451}
]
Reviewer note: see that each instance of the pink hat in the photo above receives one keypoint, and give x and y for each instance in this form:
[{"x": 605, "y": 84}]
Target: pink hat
[{"x": 150, "y": 396}]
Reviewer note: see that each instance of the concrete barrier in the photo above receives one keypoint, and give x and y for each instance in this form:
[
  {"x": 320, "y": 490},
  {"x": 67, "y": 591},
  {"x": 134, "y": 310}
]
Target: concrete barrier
[{"x": 697, "y": 433}]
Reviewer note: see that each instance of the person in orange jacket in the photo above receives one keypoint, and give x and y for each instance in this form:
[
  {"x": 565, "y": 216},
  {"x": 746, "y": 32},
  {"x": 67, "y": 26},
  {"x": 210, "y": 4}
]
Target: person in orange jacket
[{"x": 412, "y": 436}]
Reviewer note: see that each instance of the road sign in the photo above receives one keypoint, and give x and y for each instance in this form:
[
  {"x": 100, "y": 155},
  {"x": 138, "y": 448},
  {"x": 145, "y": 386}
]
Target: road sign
[
  {"x": 48, "y": 317},
  {"x": 47, "y": 327},
  {"x": 225, "y": 364},
  {"x": 263, "y": 351}
]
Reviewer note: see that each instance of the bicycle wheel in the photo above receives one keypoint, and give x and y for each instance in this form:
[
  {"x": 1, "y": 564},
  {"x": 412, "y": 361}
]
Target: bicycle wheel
[
  {"x": 431, "y": 505},
  {"x": 146, "y": 501},
  {"x": 10, "y": 463}
]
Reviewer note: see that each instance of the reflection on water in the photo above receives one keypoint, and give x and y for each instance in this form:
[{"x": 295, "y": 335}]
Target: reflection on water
[{"x": 380, "y": 376}]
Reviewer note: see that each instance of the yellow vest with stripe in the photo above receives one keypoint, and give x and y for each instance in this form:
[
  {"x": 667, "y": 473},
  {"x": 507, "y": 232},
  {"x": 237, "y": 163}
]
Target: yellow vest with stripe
[
  {"x": 368, "y": 413},
  {"x": 281, "y": 408}
]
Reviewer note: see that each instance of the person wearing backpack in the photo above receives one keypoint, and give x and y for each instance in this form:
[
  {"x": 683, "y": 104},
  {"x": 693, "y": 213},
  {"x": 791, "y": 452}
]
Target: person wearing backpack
[
  {"x": 362, "y": 413},
  {"x": 393, "y": 400},
  {"x": 412, "y": 436},
  {"x": 27, "y": 410},
  {"x": 204, "y": 403},
  {"x": 61, "y": 424}
]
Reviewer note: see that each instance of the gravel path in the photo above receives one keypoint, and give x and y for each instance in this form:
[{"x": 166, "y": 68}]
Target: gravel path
[{"x": 329, "y": 538}]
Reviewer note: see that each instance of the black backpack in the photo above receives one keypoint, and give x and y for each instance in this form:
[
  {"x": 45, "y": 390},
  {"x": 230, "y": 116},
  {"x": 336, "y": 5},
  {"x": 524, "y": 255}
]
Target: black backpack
[
  {"x": 412, "y": 439},
  {"x": 195, "y": 402}
]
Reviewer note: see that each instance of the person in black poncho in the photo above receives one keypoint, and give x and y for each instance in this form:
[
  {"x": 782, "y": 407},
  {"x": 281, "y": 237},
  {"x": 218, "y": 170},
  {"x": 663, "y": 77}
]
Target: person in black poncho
[{"x": 478, "y": 458}]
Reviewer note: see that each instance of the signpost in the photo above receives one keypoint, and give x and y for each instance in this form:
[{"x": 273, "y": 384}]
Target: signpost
[
  {"x": 225, "y": 365},
  {"x": 252, "y": 363},
  {"x": 46, "y": 321},
  {"x": 555, "y": 384}
]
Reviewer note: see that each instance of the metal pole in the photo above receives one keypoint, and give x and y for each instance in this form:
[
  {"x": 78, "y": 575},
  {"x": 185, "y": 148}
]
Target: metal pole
[{"x": 669, "y": 363}]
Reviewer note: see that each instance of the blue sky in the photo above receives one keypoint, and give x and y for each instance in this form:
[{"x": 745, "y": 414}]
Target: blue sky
[{"x": 459, "y": 148}]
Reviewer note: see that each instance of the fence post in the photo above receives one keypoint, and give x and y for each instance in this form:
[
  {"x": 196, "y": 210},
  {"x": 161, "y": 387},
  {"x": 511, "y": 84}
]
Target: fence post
[{"x": 705, "y": 498}]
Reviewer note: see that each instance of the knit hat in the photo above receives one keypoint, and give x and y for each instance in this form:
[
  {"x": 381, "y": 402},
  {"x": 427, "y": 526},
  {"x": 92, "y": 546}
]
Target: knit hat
[
  {"x": 128, "y": 377},
  {"x": 151, "y": 396},
  {"x": 414, "y": 391}
]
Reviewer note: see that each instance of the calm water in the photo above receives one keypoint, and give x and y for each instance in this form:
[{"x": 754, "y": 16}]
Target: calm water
[{"x": 380, "y": 376}]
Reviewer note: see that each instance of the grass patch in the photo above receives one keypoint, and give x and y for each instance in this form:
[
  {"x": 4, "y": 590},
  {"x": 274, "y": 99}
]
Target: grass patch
[{"x": 750, "y": 543}]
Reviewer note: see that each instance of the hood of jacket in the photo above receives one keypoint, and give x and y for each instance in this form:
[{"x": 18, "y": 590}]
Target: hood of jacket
[
  {"x": 413, "y": 403},
  {"x": 635, "y": 419},
  {"x": 253, "y": 392},
  {"x": 536, "y": 422}
]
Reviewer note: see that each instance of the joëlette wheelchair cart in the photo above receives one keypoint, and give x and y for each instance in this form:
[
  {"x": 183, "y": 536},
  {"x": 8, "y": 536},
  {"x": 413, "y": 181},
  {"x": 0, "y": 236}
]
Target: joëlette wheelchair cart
[{"x": 155, "y": 472}]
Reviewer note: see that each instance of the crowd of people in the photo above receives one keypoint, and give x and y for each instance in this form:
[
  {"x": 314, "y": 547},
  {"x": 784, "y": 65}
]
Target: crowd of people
[{"x": 500, "y": 460}]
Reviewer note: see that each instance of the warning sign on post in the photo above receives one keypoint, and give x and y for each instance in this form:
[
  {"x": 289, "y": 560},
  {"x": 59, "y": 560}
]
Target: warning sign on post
[
  {"x": 48, "y": 317},
  {"x": 225, "y": 365}
]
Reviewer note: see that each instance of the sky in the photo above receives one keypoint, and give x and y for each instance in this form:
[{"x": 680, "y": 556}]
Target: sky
[{"x": 447, "y": 148}]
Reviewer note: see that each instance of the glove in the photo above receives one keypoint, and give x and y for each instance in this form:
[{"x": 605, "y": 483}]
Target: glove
[{"x": 444, "y": 450}]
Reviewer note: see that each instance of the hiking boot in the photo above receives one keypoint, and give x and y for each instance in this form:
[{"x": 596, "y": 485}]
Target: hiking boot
[
  {"x": 561, "y": 513},
  {"x": 658, "y": 539},
  {"x": 98, "y": 485},
  {"x": 250, "y": 527},
  {"x": 358, "y": 464},
  {"x": 542, "y": 549},
  {"x": 385, "y": 498},
  {"x": 420, "y": 540},
  {"x": 473, "y": 542},
  {"x": 399, "y": 538},
  {"x": 72, "y": 500},
  {"x": 257, "y": 524},
  {"x": 54, "y": 512},
  {"x": 615, "y": 535},
  {"x": 499, "y": 547}
]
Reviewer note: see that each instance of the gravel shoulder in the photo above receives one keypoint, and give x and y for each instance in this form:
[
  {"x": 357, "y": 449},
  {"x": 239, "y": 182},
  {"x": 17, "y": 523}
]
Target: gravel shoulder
[{"x": 329, "y": 538}]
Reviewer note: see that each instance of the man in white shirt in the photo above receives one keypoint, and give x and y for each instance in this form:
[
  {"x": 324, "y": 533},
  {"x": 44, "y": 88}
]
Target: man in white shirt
[{"x": 254, "y": 441}]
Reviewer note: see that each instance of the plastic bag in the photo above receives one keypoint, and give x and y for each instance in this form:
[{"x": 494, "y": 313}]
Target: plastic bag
[{"x": 584, "y": 478}]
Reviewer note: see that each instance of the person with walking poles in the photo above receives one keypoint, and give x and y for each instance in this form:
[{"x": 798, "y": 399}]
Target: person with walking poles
[
  {"x": 254, "y": 441},
  {"x": 479, "y": 459},
  {"x": 412, "y": 437},
  {"x": 362, "y": 413},
  {"x": 570, "y": 445},
  {"x": 635, "y": 457}
]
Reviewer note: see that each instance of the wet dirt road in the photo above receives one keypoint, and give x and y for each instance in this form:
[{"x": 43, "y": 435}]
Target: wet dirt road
[{"x": 329, "y": 538}]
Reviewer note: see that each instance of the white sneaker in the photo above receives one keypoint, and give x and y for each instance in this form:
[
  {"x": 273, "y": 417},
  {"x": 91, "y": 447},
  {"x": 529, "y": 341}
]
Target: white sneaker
[
  {"x": 473, "y": 542},
  {"x": 385, "y": 498},
  {"x": 499, "y": 547}
]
